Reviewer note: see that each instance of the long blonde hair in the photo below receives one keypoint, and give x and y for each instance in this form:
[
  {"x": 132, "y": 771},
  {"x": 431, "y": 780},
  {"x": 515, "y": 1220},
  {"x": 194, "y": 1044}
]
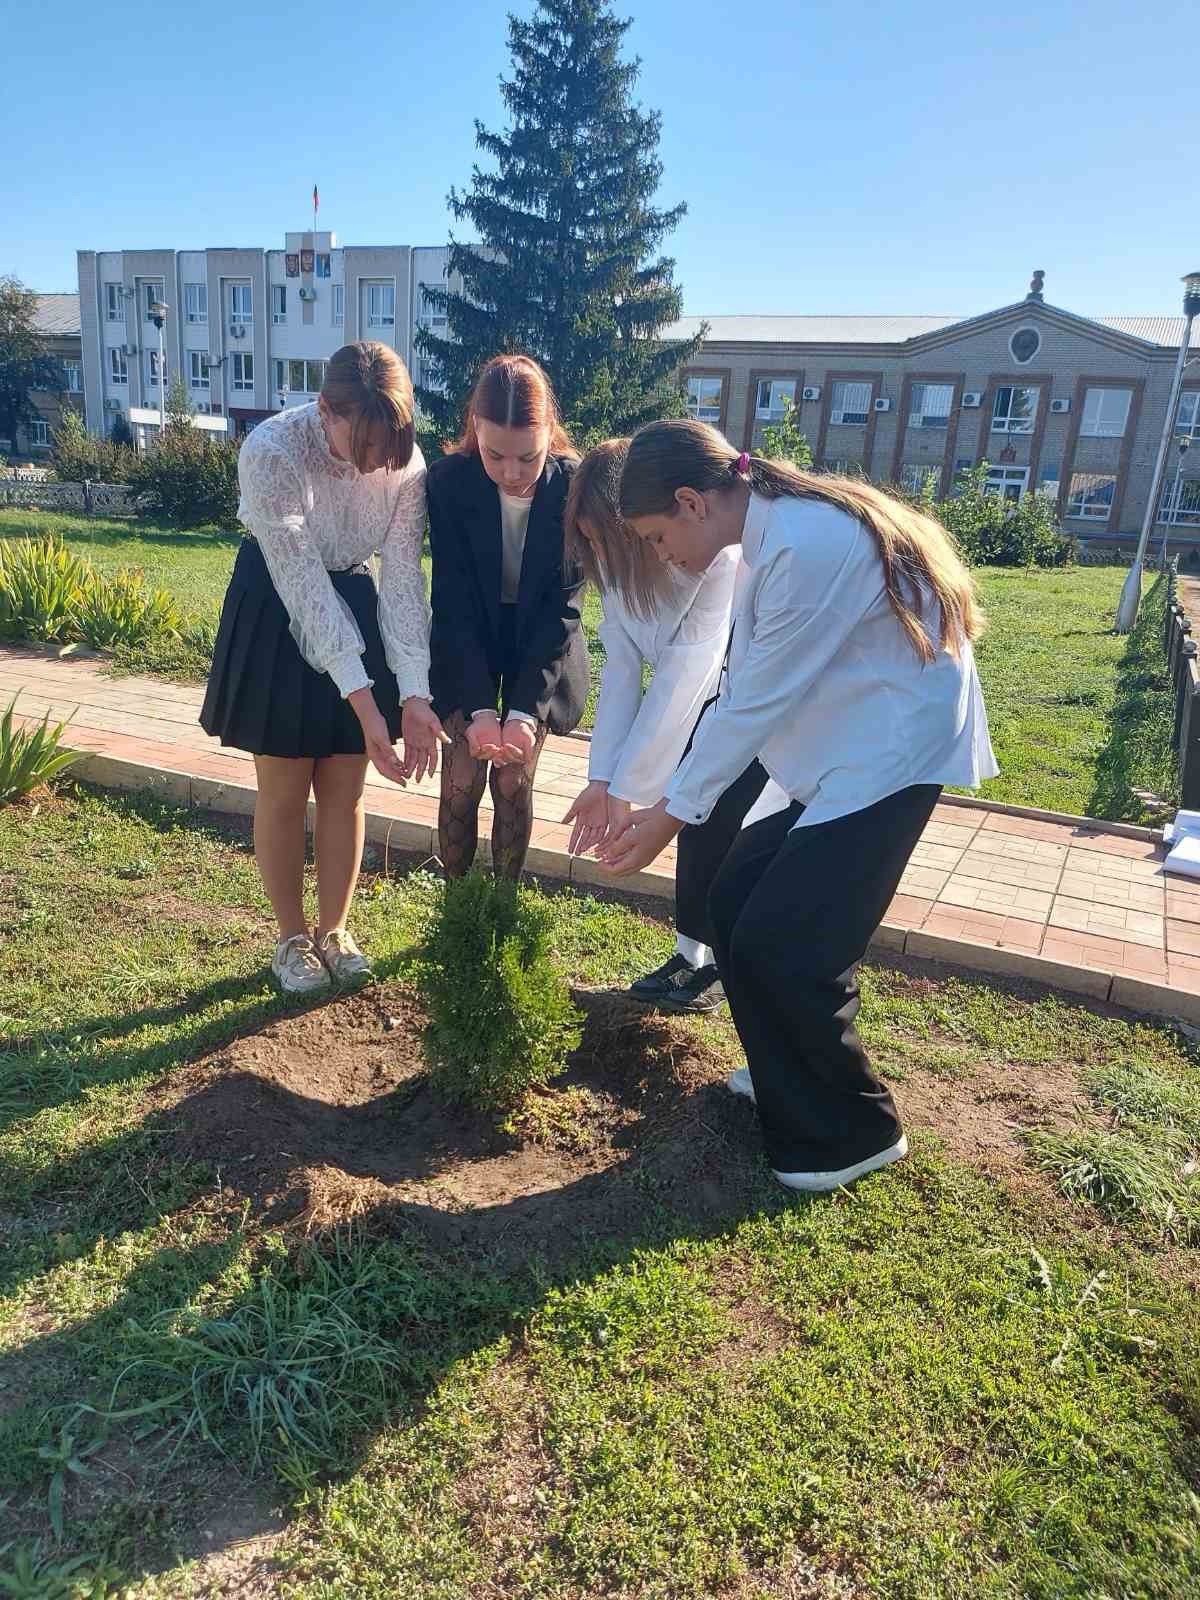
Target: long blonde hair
[
  {"x": 918, "y": 556},
  {"x": 611, "y": 554}
]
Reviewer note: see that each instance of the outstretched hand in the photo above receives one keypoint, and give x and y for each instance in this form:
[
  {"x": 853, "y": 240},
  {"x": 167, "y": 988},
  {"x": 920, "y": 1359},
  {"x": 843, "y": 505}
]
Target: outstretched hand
[
  {"x": 589, "y": 813},
  {"x": 423, "y": 732},
  {"x": 645, "y": 836}
]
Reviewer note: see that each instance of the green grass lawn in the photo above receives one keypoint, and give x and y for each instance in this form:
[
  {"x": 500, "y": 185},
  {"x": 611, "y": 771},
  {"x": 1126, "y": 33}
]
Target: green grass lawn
[
  {"x": 1080, "y": 718},
  {"x": 607, "y": 1358}
]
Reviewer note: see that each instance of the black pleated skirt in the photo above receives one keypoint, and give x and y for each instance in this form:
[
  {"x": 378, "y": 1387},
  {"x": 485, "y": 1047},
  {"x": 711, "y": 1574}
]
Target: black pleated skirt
[{"x": 263, "y": 696}]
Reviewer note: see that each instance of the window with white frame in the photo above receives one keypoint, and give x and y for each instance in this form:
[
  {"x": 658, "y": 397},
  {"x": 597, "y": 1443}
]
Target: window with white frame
[
  {"x": 929, "y": 406},
  {"x": 1091, "y": 495},
  {"x": 39, "y": 432},
  {"x": 915, "y": 475},
  {"x": 243, "y": 370},
  {"x": 851, "y": 404},
  {"x": 774, "y": 397},
  {"x": 339, "y": 304},
  {"x": 195, "y": 302},
  {"x": 704, "y": 399},
  {"x": 1049, "y": 481},
  {"x": 1187, "y": 419},
  {"x": 322, "y": 265},
  {"x": 381, "y": 305},
  {"x": 241, "y": 302},
  {"x": 118, "y": 366},
  {"x": 279, "y": 302},
  {"x": 152, "y": 294},
  {"x": 1014, "y": 409},
  {"x": 1179, "y": 506},
  {"x": 305, "y": 377},
  {"x": 73, "y": 371},
  {"x": 1009, "y": 483},
  {"x": 198, "y": 369},
  {"x": 431, "y": 316},
  {"x": 1105, "y": 413},
  {"x": 114, "y": 301},
  {"x": 152, "y": 369}
]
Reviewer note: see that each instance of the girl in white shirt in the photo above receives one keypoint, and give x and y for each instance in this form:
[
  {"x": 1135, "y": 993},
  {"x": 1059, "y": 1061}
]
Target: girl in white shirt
[
  {"x": 315, "y": 671},
  {"x": 677, "y": 623},
  {"x": 851, "y": 676}
]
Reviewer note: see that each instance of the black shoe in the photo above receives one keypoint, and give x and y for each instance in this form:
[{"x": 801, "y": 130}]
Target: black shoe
[
  {"x": 678, "y": 986},
  {"x": 660, "y": 982}
]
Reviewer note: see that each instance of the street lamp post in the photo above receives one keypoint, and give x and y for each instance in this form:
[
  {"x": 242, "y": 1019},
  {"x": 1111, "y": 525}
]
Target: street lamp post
[
  {"x": 1131, "y": 592},
  {"x": 158, "y": 316}
]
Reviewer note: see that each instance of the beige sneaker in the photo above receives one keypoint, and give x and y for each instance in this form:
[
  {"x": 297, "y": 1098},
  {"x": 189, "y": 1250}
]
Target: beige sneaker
[
  {"x": 343, "y": 957},
  {"x": 298, "y": 967}
]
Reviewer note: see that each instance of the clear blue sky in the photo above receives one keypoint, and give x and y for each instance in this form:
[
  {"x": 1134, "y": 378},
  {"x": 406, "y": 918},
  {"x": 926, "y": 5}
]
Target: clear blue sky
[{"x": 835, "y": 157}]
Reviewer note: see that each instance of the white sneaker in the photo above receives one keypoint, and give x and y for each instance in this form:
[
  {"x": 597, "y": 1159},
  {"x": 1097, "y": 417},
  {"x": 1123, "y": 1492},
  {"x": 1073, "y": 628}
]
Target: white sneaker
[
  {"x": 298, "y": 967},
  {"x": 740, "y": 1082},
  {"x": 343, "y": 957},
  {"x": 819, "y": 1182}
]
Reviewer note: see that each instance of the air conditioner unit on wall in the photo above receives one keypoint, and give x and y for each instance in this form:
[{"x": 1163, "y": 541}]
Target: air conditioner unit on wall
[
  {"x": 237, "y": 330},
  {"x": 131, "y": 350},
  {"x": 112, "y": 405},
  {"x": 971, "y": 399},
  {"x": 1060, "y": 406},
  {"x": 308, "y": 294},
  {"x": 883, "y": 405},
  {"x": 813, "y": 392}
]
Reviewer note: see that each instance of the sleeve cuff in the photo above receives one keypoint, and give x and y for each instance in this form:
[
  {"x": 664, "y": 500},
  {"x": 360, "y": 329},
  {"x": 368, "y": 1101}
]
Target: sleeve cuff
[
  {"x": 348, "y": 672},
  {"x": 486, "y": 711},
  {"x": 685, "y": 810},
  {"x": 413, "y": 683},
  {"x": 522, "y": 716}
]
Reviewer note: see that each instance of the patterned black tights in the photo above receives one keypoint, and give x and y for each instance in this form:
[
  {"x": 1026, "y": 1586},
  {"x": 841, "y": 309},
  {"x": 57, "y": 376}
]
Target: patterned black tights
[{"x": 463, "y": 780}]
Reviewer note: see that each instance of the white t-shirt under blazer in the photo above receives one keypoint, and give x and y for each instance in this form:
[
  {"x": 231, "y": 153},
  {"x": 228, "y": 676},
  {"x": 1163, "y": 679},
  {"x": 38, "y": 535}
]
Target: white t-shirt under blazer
[
  {"x": 638, "y": 739},
  {"x": 824, "y": 687},
  {"x": 313, "y": 514}
]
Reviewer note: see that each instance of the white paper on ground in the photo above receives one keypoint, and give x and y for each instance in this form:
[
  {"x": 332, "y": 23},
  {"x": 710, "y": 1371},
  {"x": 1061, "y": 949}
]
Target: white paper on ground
[
  {"x": 1183, "y": 824},
  {"x": 1185, "y": 857}
]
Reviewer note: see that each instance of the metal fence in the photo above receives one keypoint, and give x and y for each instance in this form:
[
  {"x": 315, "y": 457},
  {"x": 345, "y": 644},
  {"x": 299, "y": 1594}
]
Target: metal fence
[
  {"x": 1184, "y": 669},
  {"x": 33, "y": 494}
]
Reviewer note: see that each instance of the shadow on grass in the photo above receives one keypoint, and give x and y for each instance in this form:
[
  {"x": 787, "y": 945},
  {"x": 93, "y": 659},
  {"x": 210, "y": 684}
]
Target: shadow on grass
[{"x": 1139, "y": 754}]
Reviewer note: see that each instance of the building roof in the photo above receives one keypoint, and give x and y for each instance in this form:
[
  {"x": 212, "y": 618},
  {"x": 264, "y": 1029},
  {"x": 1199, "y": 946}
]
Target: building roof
[
  {"x": 891, "y": 330},
  {"x": 57, "y": 314}
]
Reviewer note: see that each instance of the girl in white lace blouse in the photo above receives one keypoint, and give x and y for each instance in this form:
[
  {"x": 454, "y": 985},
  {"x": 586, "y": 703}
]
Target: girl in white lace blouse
[{"x": 315, "y": 670}]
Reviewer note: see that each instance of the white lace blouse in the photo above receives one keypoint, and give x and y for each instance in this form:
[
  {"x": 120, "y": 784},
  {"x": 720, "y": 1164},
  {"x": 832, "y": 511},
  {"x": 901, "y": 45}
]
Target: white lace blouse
[{"x": 312, "y": 515}]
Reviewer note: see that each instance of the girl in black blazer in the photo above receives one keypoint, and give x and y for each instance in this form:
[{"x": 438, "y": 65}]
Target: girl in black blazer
[{"x": 508, "y": 660}]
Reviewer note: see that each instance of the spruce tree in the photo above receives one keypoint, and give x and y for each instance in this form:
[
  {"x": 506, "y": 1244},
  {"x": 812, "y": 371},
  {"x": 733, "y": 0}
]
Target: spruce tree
[{"x": 566, "y": 267}]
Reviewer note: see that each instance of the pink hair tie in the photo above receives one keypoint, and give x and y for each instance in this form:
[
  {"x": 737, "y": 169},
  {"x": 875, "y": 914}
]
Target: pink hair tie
[{"x": 742, "y": 465}]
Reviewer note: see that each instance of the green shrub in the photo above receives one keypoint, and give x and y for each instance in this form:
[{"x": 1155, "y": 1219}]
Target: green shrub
[
  {"x": 502, "y": 1020},
  {"x": 785, "y": 440},
  {"x": 29, "y": 757},
  {"x": 121, "y": 610},
  {"x": 77, "y": 455},
  {"x": 995, "y": 532},
  {"x": 189, "y": 478},
  {"x": 41, "y": 587}
]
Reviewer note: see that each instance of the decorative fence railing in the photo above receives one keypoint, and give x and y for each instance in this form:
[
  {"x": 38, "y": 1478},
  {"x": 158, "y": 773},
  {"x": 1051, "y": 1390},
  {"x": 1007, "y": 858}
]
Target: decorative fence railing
[
  {"x": 1184, "y": 668},
  {"x": 108, "y": 499}
]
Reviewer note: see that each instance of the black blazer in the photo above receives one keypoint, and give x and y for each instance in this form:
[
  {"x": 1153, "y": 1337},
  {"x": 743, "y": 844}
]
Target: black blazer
[{"x": 550, "y": 678}]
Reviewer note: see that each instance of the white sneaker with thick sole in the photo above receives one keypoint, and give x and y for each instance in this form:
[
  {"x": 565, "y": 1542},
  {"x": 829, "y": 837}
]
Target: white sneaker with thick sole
[
  {"x": 298, "y": 967},
  {"x": 821, "y": 1182},
  {"x": 343, "y": 957},
  {"x": 740, "y": 1082}
]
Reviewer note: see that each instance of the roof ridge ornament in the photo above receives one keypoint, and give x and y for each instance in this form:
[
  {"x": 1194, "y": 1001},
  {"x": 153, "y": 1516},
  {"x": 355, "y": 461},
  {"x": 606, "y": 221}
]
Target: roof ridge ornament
[{"x": 1036, "y": 286}]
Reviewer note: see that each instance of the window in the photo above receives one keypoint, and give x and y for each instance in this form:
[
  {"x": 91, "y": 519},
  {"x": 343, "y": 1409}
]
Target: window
[
  {"x": 39, "y": 432},
  {"x": 305, "y": 377},
  {"x": 241, "y": 303},
  {"x": 930, "y": 405},
  {"x": 381, "y": 305},
  {"x": 339, "y": 304},
  {"x": 1049, "y": 481},
  {"x": 704, "y": 399},
  {"x": 1105, "y": 413},
  {"x": 152, "y": 365},
  {"x": 914, "y": 475},
  {"x": 118, "y": 367},
  {"x": 1024, "y": 345},
  {"x": 1091, "y": 496},
  {"x": 1014, "y": 409},
  {"x": 279, "y": 302},
  {"x": 322, "y": 265},
  {"x": 152, "y": 293},
  {"x": 851, "y": 404},
  {"x": 1007, "y": 482},
  {"x": 243, "y": 370},
  {"x": 195, "y": 302},
  {"x": 114, "y": 300},
  {"x": 1180, "y": 504},
  {"x": 1188, "y": 420},
  {"x": 74, "y": 376},
  {"x": 774, "y": 397},
  {"x": 431, "y": 316},
  {"x": 197, "y": 369},
  {"x": 843, "y": 468}
]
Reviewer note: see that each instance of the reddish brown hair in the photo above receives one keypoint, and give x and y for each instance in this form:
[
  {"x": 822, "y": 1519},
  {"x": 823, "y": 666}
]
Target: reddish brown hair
[
  {"x": 368, "y": 384},
  {"x": 514, "y": 392}
]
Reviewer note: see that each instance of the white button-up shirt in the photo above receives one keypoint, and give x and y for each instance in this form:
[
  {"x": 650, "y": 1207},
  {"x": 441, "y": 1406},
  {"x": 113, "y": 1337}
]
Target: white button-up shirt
[
  {"x": 824, "y": 687},
  {"x": 639, "y": 738}
]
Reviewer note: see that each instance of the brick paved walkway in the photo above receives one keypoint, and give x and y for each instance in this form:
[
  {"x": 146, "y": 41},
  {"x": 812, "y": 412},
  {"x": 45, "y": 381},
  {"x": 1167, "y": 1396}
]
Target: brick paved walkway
[{"x": 1068, "y": 902}]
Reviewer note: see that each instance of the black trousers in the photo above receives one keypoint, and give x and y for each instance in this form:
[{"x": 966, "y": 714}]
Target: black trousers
[
  {"x": 792, "y": 916},
  {"x": 703, "y": 846}
]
